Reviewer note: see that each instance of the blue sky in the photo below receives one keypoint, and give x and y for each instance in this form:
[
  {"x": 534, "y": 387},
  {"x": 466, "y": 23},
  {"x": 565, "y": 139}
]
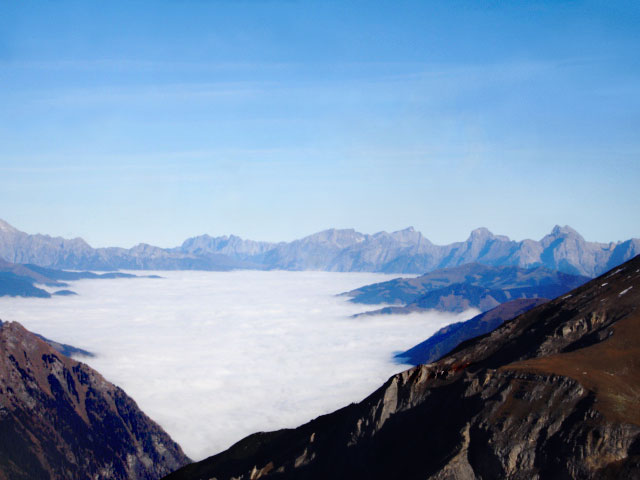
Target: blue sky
[{"x": 127, "y": 122}]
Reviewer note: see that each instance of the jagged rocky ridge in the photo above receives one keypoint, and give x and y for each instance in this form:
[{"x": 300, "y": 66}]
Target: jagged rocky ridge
[
  {"x": 76, "y": 254},
  {"x": 552, "y": 393},
  {"x": 457, "y": 289},
  {"x": 404, "y": 251},
  {"x": 60, "y": 419}
]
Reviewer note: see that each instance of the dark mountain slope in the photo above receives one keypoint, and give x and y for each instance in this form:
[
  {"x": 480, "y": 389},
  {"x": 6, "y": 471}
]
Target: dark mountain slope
[
  {"x": 449, "y": 337},
  {"x": 519, "y": 403},
  {"x": 65, "y": 349},
  {"x": 13, "y": 285},
  {"x": 403, "y": 291},
  {"x": 468, "y": 286},
  {"x": 32, "y": 274},
  {"x": 59, "y": 419},
  {"x": 18, "y": 280},
  {"x": 65, "y": 275},
  {"x": 454, "y": 298}
]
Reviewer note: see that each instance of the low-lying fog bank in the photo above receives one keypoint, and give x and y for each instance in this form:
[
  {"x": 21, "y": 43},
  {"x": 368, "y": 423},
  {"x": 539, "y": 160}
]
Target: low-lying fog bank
[{"x": 216, "y": 356}]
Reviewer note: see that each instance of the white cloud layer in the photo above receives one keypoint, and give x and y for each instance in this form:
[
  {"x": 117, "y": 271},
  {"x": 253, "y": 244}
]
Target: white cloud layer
[{"x": 214, "y": 356}]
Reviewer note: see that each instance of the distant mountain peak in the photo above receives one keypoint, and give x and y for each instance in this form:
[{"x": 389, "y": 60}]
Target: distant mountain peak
[
  {"x": 337, "y": 235},
  {"x": 565, "y": 231},
  {"x": 334, "y": 231},
  {"x": 5, "y": 227},
  {"x": 481, "y": 234}
]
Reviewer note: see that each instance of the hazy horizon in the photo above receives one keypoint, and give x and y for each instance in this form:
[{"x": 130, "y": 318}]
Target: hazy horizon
[{"x": 128, "y": 122}]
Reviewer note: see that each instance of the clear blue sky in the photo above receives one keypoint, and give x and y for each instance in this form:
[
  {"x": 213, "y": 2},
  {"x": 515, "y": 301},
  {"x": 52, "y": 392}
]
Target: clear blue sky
[{"x": 127, "y": 122}]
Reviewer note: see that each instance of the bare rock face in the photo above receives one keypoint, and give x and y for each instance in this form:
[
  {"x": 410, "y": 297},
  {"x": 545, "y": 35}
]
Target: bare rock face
[
  {"x": 552, "y": 393},
  {"x": 60, "y": 419}
]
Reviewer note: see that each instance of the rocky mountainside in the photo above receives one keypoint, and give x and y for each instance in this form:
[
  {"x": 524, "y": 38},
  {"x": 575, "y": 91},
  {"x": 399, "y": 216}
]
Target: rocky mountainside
[
  {"x": 552, "y": 393},
  {"x": 350, "y": 251},
  {"x": 404, "y": 251},
  {"x": 457, "y": 289},
  {"x": 449, "y": 337},
  {"x": 63, "y": 348},
  {"x": 231, "y": 246},
  {"x": 59, "y": 419}
]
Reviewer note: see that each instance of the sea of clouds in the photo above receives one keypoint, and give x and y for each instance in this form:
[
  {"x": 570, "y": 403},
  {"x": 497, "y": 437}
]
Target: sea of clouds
[{"x": 215, "y": 356}]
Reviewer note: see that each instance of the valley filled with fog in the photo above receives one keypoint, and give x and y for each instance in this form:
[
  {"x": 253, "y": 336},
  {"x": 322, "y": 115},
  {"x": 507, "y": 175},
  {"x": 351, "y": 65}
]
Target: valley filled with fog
[{"x": 215, "y": 356}]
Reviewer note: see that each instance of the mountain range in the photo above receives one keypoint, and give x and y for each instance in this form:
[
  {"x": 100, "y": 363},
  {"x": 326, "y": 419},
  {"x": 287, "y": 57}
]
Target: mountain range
[
  {"x": 456, "y": 289},
  {"x": 404, "y": 251},
  {"x": 552, "y": 393}
]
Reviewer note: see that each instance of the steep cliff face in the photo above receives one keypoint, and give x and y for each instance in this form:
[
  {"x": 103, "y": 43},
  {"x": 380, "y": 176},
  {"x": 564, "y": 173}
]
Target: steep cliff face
[
  {"x": 550, "y": 394},
  {"x": 59, "y": 419}
]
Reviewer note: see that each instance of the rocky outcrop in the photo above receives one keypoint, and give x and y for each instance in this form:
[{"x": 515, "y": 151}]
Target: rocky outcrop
[
  {"x": 549, "y": 394},
  {"x": 59, "y": 419},
  {"x": 404, "y": 251},
  {"x": 232, "y": 246}
]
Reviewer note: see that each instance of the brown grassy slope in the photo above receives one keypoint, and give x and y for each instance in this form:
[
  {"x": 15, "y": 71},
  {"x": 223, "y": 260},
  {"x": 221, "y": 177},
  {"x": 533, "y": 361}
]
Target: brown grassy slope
[{"x": 610, "y": 369}]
